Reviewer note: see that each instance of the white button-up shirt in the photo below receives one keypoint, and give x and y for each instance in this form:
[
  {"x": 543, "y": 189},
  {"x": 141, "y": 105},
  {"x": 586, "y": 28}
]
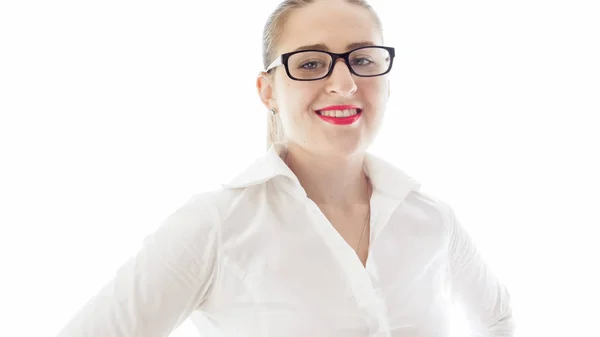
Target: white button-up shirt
[{"x": 259, "y": 258}]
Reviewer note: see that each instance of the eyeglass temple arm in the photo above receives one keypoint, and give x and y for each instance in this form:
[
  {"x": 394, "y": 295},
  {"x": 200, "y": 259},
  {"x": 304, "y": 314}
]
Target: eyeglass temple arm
[{"x": 275, "y": 63}]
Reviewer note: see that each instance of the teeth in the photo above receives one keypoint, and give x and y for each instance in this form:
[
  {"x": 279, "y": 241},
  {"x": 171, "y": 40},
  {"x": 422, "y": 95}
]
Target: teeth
[{"x": 339, "y": 113}]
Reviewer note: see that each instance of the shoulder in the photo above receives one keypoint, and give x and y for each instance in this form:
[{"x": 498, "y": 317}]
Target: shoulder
[
  {"x": 196, "y": 216},
  {"x": 428, "y": 211},
  {"x": 428, "y": 202},
  {"x": 197, "y": 225},
  {"x": 211, "y": 207}
]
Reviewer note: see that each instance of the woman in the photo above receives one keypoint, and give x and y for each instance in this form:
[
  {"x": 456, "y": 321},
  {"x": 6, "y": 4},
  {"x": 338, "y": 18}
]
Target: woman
[{"x": 318, "y": 237}]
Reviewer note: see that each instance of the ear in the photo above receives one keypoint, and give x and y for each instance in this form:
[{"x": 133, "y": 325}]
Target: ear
[{"x": 264, "y": 85}]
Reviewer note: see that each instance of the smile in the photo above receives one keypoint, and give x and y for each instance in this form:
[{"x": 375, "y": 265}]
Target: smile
[{"x": 340, "y": 116}]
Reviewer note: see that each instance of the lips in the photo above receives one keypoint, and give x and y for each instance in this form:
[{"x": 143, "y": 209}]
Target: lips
[{"x": 340, "y": 114}]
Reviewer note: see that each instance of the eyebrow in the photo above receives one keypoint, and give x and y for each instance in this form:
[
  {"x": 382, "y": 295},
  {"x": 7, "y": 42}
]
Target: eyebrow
[{"x": 321, "y": 46}]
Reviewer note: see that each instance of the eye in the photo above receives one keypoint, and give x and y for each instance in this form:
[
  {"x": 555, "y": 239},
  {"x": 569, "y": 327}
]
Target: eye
[
  {"x": 361, "y": 61},
  {"x": 311, "y": 65}
]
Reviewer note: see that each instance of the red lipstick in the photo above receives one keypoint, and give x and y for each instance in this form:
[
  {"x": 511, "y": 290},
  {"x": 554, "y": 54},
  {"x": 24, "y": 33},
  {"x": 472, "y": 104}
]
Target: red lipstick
[{"x": 340, "y": 120}]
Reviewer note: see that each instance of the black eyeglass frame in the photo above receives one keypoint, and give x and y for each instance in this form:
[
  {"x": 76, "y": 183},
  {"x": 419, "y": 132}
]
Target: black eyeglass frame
[{"x": 284, "y": 58}]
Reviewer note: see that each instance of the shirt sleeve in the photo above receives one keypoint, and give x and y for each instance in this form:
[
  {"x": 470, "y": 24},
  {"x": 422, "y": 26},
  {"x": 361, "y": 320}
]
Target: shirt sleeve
[
  {"x": 486, "y": 302},
  {"x": 158, "y": 288}
]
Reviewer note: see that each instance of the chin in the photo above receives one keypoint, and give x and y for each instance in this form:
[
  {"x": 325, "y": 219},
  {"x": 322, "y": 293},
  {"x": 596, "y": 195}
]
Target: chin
[{"x": 343, "y": 149}]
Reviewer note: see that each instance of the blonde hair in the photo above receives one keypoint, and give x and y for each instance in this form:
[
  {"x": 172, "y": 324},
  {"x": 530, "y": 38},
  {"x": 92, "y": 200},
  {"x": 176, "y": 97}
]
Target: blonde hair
[{"x": 271, "y": 35}]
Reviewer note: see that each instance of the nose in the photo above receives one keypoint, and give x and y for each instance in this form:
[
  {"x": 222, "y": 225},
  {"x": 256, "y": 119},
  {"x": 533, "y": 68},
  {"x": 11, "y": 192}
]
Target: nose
[{"x": 341, "y": 81}]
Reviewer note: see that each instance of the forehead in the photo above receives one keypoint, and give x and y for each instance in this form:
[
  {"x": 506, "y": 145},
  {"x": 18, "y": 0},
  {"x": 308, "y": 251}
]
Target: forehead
[{"x": 336, "y": 24}]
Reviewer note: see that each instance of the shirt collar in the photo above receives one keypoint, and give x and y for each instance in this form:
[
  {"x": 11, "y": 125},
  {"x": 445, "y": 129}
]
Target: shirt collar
[{"x": 385, "y": 177}]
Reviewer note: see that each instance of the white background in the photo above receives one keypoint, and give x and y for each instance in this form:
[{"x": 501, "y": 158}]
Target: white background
[{"x": 112, "y": 113}]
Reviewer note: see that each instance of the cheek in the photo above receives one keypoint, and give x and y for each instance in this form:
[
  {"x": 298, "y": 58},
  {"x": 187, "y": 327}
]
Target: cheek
[
  {"x": 295, "y": 99},
  {"x": 376, "y": 93},
  {"x": 298, "y": 98}
]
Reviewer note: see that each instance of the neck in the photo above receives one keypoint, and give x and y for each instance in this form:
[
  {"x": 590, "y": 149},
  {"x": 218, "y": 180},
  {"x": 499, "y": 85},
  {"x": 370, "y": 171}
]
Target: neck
[{"x": 338, "y": 182}]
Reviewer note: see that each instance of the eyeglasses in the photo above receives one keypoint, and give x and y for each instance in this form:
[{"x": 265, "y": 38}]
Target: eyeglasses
[{"x": 312, "y": 65}]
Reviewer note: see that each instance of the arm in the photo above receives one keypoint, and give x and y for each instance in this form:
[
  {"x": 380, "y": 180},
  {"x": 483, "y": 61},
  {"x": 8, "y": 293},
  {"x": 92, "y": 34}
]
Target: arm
[
  {"x": 485, "y": 300},
  {"x": 156, "y": 290}
]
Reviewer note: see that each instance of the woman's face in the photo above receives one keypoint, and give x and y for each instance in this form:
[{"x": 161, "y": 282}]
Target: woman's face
[{"x": 337, "y": 26}]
